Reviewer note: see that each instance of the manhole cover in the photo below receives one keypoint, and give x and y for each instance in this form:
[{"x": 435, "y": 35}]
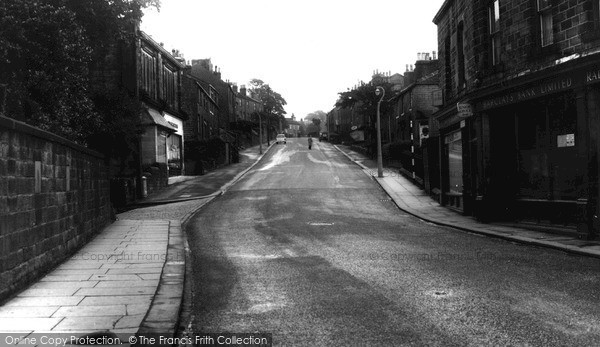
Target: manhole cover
[{"x": 439, "y": 293}]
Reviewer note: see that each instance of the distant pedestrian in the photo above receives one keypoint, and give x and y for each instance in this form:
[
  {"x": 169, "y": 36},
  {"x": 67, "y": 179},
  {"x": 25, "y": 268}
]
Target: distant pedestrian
[{"x": 310, "y": 143}]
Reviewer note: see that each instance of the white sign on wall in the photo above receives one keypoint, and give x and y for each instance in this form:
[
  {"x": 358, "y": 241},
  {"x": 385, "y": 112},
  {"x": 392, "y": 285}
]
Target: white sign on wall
[
  {"x": 464, "y": 109},
  {"x": 175, "y": 123},
  {"x": 566, "y": 140}
]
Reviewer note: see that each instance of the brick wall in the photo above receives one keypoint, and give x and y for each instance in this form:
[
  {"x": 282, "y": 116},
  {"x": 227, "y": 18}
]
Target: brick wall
[
  {"x": 575, "y": 29},
  {"x": 54, "y": 197},
  {"x": 456, "y": 12}
]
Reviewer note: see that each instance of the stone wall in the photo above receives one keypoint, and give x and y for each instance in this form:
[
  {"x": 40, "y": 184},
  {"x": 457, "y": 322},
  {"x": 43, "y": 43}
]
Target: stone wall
[{"x": 54, "y": 197}]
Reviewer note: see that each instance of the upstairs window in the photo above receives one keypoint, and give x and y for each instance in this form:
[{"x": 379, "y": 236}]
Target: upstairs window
[
  {"x": 494, "y": 26},
  {"x": 460, "y": 55},
  {"x": 544, "y": 9},
  {"x": 148, "y": 76},
  {"x": 447, "y": 68},
  {"x": 170, "y": 86},
  {"x": 596, "y": 14}
]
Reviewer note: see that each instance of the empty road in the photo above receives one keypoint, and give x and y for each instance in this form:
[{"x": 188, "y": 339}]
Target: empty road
[{"x": 309, "y": 248}]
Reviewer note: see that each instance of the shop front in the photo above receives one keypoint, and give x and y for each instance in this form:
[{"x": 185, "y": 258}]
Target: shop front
[
  {"x": 457, "y": 158},
  {"x": 539, "y": 161},
  {"x": 175, "y": 146}
]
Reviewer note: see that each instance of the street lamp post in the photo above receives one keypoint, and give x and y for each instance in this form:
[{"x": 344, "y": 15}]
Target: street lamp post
[
  {"x": 379, "y": 91},
  {"x": 259, "y": 133}
]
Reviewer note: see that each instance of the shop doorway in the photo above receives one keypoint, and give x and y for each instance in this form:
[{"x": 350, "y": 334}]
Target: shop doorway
[{"x": 453, "y": 152}]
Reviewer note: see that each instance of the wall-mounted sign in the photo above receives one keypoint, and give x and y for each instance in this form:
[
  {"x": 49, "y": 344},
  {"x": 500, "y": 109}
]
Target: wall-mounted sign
[
  {"x": 464, "y": 109},
  {"x": 176, "y": 123},
  {"x": 452, "y": 137},
  {"x": 559, "y": 83},
  {"x": 566, "y": 140}
]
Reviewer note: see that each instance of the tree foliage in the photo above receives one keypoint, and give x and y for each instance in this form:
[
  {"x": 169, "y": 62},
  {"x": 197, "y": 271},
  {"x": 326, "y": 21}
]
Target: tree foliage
[
  {"x": 48, "y": 50},
  {"x": 272, "y": 101},
  {"x": 44, "y": 66},
  {"x": 364, "y": 100},
  {"x": 321, "y": 115}
]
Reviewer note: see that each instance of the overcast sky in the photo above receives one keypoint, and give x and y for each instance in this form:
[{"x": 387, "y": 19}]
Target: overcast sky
[{"x": 308, "y": 51}]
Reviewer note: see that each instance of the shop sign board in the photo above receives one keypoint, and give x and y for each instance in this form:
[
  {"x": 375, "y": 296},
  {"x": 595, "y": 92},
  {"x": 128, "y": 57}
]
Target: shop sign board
[
  {"x": 559, "y": 83},
  {"x": 465, "y": 110},
  {"x": 452, "y": 137}
]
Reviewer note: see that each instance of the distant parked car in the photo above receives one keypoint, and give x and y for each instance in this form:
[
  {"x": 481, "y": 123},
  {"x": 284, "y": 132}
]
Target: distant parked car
[{"x": 281, "y": 138}]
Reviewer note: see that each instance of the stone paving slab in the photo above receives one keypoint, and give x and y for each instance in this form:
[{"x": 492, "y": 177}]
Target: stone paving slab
[
  {"x": 112, "y": 300},
  {"x": 134, "y": 290},
  {"x": 90, "y": 324},
  {"x": 143, "y": 270},
  {"x": 47, "y": 292},
  {"x": 131, "y": 321},
  {"x": 91, "y": 311},
  {"x": 127, "y": 277},
  {"x": 118, "y": 284},
  {"x": 20, "y": 311},
  {"x": 28, "y": 324},
  {"x": 44, "y": 301}
]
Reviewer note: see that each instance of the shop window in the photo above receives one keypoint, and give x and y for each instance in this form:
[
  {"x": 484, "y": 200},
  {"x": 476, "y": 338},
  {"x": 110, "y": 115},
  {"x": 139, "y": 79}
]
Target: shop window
[
  {"x": 494, "y": 31},
  {"x": 533, "y": 153},
  {"x": 454, "y": 152},
  {"x": 549, "y": 167},
  {"x": 170, "y": 86},
  {"x": 174, "y": 154},
  {"x": 544, "y": 9}
]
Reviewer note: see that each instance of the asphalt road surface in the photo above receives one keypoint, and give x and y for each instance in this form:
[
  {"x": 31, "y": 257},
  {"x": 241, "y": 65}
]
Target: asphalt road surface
[{"x": 309, "y": 248}]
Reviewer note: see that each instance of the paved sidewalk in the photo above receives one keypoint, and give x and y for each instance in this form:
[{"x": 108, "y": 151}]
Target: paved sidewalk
[
  {"x": 128, "y": 281},
  {"x": 108, "y": 286},
  {"x": 210, "y": 184},
  {"x": 415, "y": 201}
]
